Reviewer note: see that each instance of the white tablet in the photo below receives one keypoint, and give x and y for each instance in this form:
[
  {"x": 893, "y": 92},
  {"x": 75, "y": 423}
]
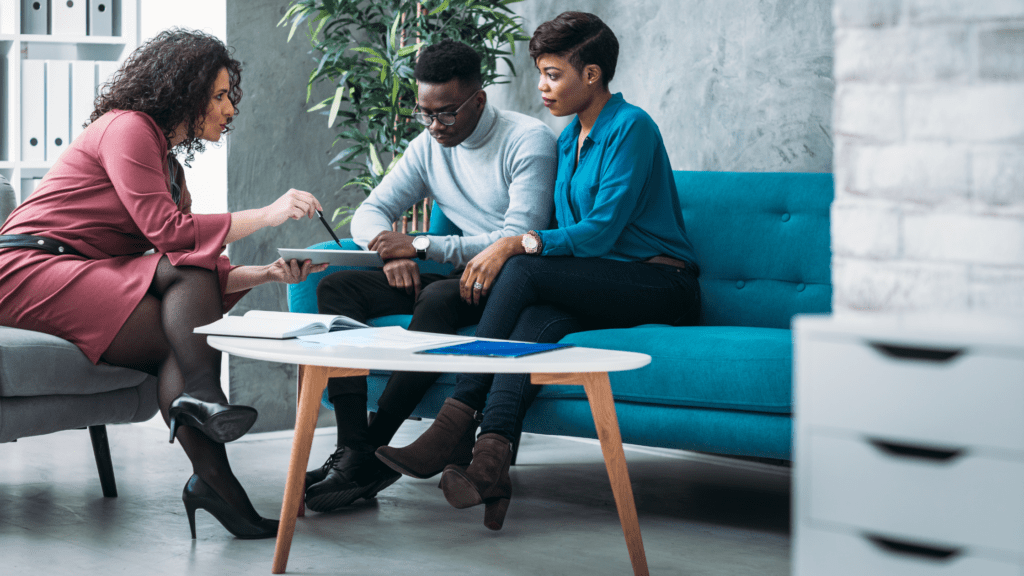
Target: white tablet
[{"x": 334, "y": 257}]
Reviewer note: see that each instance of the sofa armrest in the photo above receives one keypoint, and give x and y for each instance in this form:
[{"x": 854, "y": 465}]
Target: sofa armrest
[{"x": 302, "y": 296}]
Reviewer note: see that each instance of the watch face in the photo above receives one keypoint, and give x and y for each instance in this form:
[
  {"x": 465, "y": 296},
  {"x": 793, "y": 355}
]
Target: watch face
[
  {"x": 421, "y": 243},
  {"x": 530, "y": 243}
]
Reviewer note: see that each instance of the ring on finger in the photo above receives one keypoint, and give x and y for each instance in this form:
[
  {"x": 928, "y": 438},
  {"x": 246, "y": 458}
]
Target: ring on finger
[{"x": 478, "y": 286}]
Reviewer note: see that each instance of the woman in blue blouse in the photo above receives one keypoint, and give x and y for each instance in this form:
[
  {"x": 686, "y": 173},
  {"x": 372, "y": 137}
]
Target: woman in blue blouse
[{"x": 619, "y": 258}]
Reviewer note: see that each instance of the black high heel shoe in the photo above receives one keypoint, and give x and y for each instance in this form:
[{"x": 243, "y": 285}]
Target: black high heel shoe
[
  {"x": 220, "y": 422},
  {"x": 198, "y": 494}
]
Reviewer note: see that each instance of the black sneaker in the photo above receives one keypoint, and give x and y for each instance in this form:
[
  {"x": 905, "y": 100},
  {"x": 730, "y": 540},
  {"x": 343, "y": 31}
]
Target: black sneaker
[
  {"x": 318, "y": 475},
  {"x": 349, "y": 477}
]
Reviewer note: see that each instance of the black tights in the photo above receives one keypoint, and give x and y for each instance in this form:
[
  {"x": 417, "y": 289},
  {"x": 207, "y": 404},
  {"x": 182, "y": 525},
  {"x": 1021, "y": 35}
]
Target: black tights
[{"x": 157, "y": 339}]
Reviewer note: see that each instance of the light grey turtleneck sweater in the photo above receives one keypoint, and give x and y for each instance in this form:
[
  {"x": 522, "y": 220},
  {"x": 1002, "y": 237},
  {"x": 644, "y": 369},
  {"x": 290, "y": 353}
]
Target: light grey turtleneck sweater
[{"x": 498, "y": 182}]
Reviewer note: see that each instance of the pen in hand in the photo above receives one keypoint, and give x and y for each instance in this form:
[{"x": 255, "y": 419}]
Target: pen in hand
[{"x": 328, "y": 226}]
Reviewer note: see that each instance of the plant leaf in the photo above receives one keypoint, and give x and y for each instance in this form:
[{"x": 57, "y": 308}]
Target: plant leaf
[
  {"x": 338, "y": 97},
  {"x": 319, "y": 106},
  {"x": 441, "y": 8},
  {"x": 292, "y": 10},
  {"x": 368, "y": 50},
  {"x": 393, "y": 162},
  {"x": 322, "y": 19},
  {"x": 394, "y": 33},
  {"x": 406, "y": 50},
  {"x": 378, "y": 168},
  {"x": 341, "y": 155},
  {"x": 394, "y": 91}
]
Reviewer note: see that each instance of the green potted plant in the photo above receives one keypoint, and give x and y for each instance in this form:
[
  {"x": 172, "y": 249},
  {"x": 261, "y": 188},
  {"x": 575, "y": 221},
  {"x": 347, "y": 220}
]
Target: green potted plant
[{"x": 366, "y": 50}]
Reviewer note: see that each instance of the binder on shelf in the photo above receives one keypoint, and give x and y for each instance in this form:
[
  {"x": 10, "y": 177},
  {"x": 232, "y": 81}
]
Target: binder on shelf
[
  {"x": 33, "y": 110},
  {"x": 101, "y": 20},
  {"x": 67, "y": 17},
  {"x": 9, "y": 16},
  {"x": 83, "y": 94},
  {"x": 34, "y": 14},
  {"x": 28, "y": 186},
  {"x": 104, "y": 70},
  {"x": 58, "y": 108}
]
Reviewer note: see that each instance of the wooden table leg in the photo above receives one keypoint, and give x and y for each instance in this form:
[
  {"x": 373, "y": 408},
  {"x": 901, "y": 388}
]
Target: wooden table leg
[
  {"x": 602, "y": 406},
  {"x": 312, "y": 381}
]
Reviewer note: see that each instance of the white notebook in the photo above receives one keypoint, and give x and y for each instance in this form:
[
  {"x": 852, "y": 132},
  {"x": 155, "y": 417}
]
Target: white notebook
[{"x": 280, "y": 325}]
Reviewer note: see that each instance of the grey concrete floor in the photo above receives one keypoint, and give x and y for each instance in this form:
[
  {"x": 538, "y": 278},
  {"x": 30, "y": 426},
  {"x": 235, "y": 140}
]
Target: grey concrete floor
[{"x": 699, "y": 515}]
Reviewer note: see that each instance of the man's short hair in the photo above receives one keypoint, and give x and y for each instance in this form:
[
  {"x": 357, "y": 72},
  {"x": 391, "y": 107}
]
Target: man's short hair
[
  {"x": 446, "y": 60},
  {"x": 582, "y": 39}
]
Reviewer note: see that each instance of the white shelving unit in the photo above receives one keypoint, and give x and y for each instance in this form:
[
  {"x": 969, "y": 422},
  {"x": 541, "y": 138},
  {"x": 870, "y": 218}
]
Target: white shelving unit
[
  {"x": 909, "y": 445},
  {"x": 16, "y": 48}
]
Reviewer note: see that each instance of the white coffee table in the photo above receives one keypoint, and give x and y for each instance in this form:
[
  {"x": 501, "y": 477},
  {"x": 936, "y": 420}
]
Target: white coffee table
[{"x": 587, "y": 367}]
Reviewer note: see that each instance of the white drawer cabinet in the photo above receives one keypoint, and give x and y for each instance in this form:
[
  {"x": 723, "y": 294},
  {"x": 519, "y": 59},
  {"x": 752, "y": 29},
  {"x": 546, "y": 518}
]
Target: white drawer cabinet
[
  {"x": 975, "y": 397},
  {"x": 909, "y": 445},
  {"x": 827, "y": 553}
]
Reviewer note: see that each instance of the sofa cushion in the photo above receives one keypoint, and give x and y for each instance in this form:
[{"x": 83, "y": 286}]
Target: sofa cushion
[
  {"x": 37, "y": 364},
  {"x": 36, "y": 415},
  {"x": 724, "y": 367}
]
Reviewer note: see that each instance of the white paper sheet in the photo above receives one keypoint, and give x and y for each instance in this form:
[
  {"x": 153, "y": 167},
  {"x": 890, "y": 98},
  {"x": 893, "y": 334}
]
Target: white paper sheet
[{"x": 394, "y": 337}]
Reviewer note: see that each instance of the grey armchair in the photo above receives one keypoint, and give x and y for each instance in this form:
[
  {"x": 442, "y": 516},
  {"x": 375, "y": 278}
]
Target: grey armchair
[{"x": 48, "y": 385}]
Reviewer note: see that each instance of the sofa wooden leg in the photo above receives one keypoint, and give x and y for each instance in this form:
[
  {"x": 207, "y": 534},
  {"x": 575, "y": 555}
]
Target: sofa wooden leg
[{"x": 101, "y": 449}]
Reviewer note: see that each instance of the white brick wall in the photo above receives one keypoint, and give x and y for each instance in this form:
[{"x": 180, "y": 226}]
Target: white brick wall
[{"x": 929, "y": 155}]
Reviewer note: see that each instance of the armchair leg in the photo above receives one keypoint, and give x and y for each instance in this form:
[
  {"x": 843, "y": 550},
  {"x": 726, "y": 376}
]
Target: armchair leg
[{"x": 101, "y": 449}]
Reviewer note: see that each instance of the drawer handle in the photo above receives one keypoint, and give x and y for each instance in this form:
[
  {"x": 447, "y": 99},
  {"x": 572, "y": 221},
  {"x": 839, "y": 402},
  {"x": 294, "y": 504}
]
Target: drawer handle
[
  {"x": 915, "y": 353},
  {"x": 911, "y": 451},
  {"x": 909, "y": 549}
]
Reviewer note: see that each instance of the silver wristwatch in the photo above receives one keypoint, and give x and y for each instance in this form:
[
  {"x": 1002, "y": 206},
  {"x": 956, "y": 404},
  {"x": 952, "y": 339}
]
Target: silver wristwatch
[{"x": 421, "y": 243}]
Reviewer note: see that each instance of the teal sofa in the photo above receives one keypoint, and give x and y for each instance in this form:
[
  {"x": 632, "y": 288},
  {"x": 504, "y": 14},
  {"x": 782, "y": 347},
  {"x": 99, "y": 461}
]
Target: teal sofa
[{"x": 763, "y": 245}]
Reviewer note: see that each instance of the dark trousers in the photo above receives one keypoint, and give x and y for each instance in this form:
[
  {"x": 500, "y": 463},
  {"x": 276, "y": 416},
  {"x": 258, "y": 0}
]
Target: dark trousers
[
  {"x": 542, "y": 299},
  {"x": 365, "y": 294}
]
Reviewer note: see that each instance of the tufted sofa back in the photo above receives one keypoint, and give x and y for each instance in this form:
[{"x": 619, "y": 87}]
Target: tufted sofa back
[
  {"x": 763, "y": 244},
  {"x": 762, "y": 241}
]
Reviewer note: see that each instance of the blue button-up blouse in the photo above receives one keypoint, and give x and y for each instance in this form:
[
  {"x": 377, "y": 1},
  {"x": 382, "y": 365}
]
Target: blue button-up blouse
[{"x": 620, "y": 202}]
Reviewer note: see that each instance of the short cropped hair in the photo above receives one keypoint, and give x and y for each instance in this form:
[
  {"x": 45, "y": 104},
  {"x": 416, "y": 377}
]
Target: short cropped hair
[
  {"x": 448, "y": 59},
  {"x": 582, "y": 39}
]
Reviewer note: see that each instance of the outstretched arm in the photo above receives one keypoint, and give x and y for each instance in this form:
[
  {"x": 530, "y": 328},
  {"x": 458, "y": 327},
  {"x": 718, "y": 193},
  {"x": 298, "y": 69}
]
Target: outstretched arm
[
  {"x": 284, "y": 271},
  {"x": 293, "y": 205}
]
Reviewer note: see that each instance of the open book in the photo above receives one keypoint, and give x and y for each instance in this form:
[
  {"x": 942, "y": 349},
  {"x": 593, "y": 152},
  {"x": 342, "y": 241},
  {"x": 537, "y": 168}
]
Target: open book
[{"x": 270, "y": 324}]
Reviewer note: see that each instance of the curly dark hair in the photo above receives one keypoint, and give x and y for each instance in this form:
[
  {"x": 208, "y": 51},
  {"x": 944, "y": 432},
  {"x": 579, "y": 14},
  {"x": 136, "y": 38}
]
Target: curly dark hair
[
  {"x": 171, "y": 79},
  {"x": 439, "y": 63},
  {"x": 582, "y": 39}
]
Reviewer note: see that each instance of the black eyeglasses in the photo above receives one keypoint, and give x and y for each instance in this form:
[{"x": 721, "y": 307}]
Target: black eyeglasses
[{"x": 445, "y": 118}]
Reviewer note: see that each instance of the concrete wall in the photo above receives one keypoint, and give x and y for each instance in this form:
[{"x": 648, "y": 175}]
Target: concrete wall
[
  {"x": 276, "y": 145},
  {"x": 929, "y": 210},
  {"x": 733, "y": 84}
]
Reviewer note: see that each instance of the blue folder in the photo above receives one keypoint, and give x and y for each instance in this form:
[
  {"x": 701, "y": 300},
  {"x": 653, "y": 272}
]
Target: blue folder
[{"x": 495, "y": 349}]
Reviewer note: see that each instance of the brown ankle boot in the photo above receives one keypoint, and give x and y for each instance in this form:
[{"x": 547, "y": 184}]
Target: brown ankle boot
[
  {"x": 448, "y": 440},
  {"x": 486, "y": 480}
]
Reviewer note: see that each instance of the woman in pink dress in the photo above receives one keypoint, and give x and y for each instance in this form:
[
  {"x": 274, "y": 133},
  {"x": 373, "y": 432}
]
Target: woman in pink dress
[{"x": 108, "y": 255}]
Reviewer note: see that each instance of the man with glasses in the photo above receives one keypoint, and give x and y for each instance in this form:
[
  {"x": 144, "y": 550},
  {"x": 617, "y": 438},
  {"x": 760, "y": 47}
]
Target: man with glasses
[{"x": 492, "y": 173}]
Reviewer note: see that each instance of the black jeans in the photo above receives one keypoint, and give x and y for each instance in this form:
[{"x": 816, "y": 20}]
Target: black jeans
[
  {"x": 542, "y": 299},
  {"x": 365, "y": 294}
]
